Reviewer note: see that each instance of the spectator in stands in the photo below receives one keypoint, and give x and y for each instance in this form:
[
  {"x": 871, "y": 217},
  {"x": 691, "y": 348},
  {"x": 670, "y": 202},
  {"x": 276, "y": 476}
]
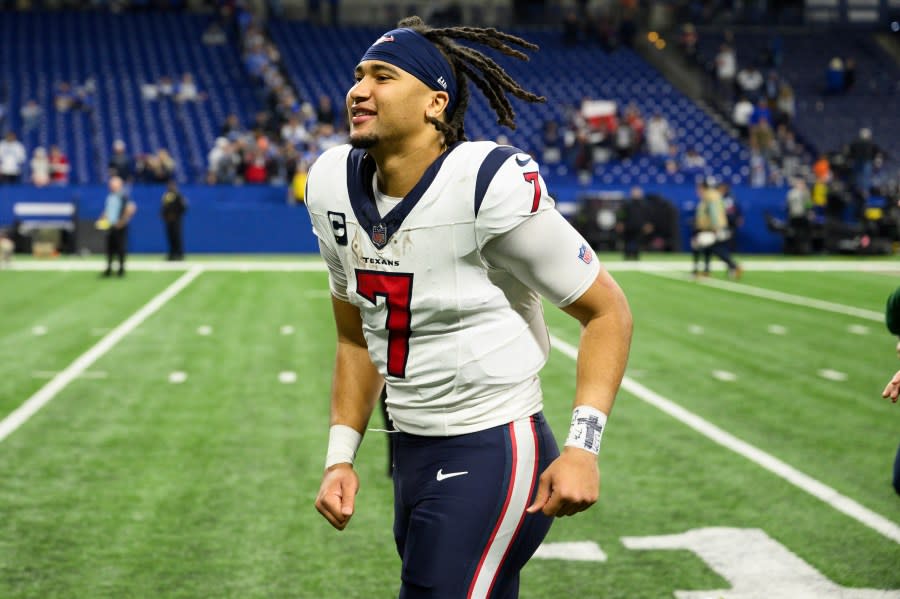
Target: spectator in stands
[
  {"x": 772, "y": 86},
  {"x": 581, "y": 153},
  {"x": 297, "y": 192},
  {"x": 750, "y": 82},
  {"x": 761, "y": 134},
  {"x": 31, "y": 116},
  {"x": 166, "y": 87},
  {"x": 625, "y": 141},
  {"x": 740, "y": 115},
  {"x": 785, "y": 104},
  {"x": 693, "y": 163},
  {"x": 726, "y": 70},
  {"x": 822, "y": 171},
  {"x": 687, "y": 41},
  {"x": 174, "y": 205},
  {"x": 788, "y": 152},
  {"x": 12, "y": 159},
  {"x": 187, "y": 90},
  {"x": 673, "y": 160},
  {"x": 758, "y": 173},
  {"x": 862, "y": 155},
  {"x": 120, "y": 163},
  {"x": 552, "y": 143},
  {"x": 65, "y": 97},
  {"x": 255, "y": 169},
  {"x": 325, "y": 111},
  {"x": 330, "y": 137},
  {"x": 834, "y": 76},
  {"x": 59, "y": 167},
  {"x": 570, "y": 28},
  {"x": 659, "y": 134},
  {"x": 231, "y": 128},
  {"x": 294, "y": 132},
  {"x": 214, "y": 34},
  {"x": 222, "y": 163},
  {"x": 634, "y": 120},
  {"x": 159, "y": 167},
  {"x": 849, "y": 74},
  {"x": 40, "y": 167}
]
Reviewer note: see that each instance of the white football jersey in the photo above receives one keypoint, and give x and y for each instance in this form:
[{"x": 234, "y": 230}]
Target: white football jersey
[{"x": 459, "y": 343}]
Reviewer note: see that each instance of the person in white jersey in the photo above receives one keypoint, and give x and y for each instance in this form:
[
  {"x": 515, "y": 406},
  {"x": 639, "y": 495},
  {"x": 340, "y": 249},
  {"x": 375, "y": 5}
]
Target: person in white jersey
[{"x": 438, "y": 251}]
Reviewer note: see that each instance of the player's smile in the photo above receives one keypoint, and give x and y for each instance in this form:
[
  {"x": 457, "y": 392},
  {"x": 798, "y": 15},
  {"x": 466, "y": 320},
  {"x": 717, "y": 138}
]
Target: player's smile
[{"x": 360, "y": 115}]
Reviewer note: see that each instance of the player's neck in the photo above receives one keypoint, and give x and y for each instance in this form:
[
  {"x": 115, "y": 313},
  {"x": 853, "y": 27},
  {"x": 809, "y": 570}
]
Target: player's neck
[{"x": 400, "y": 170}]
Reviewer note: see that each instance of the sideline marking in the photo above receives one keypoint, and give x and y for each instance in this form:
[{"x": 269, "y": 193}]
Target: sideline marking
[
  {"x": 780, "y": 296},
  {"x": 45, "y": 394},
  {"x": 578, "y": 551},
  {"x": 814, "y": 487}
]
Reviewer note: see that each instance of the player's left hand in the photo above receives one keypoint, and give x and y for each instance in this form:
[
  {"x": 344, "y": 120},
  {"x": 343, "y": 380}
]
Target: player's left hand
[
  {"x": 892, "y": 391},
  {"x": 570, "y": 484}
]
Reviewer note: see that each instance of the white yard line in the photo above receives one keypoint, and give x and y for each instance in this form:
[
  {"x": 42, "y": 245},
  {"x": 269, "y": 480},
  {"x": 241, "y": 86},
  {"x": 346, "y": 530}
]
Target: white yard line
[
  {"x": 800, "y": 480},
  {"x": 59, "y": 382},
  {"x": 779, "y": 296}
]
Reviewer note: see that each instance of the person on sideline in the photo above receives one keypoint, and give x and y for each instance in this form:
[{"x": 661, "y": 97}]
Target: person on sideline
[
  {"x": 117, "y": 213},
  {"x": 174, "y": 205},
  {"x": 438, "y": 250}
]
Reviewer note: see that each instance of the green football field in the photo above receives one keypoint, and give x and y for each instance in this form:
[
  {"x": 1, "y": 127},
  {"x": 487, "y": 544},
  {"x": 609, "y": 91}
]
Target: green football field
[{"x": 163, "y": 435}]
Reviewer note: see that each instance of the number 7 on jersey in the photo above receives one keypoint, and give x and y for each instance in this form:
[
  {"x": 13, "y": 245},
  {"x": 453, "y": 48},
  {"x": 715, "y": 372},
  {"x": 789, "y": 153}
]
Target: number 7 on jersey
[{"x": 396, "y": 288}]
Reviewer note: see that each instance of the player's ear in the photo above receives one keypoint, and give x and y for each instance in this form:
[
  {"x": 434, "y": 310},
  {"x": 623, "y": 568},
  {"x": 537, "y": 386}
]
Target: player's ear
[{"x": 438, "y": 104}]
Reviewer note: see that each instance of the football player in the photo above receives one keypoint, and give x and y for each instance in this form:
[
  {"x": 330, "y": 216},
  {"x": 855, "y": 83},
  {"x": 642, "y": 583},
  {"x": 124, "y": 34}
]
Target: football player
[
  {"x": 892, "y": 390},
  {"x": 438, "y": 250}
]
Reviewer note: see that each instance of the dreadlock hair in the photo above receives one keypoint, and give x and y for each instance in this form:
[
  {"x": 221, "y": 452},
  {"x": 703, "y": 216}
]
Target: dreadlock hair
[{"x": 470, "y": 64}]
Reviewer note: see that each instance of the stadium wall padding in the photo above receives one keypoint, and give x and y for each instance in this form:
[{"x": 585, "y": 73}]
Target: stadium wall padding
[{"x": 258, "y": 219}]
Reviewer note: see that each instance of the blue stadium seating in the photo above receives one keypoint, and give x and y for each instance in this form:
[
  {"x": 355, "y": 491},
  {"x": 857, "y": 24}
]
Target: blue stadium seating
[
  {"x": 123, "y": 51},
  {"x": 120, "y": 52},
  {"x": 321, "y": 61},
  {"x": 873, "y": 102}
]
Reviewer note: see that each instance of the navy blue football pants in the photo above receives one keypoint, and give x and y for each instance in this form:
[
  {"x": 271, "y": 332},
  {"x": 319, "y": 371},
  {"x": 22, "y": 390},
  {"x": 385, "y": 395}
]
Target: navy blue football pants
[{"x": 459, "y": 509}]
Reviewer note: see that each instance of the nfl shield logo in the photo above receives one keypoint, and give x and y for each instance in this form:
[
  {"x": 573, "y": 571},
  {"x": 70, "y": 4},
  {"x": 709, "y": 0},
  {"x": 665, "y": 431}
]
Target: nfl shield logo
[
  {"x": 585, "y": 254},
  {"x": 379, "y": 234}
]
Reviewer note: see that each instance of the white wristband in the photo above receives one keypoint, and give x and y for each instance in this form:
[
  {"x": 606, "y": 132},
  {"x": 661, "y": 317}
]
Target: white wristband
[
  {"x": 586, "y": 429},
  {"x": 343, "y": 441}
]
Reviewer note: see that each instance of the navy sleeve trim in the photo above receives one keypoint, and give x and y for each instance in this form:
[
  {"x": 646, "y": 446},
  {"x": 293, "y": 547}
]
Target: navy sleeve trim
[{"x": 489, "y": 167}]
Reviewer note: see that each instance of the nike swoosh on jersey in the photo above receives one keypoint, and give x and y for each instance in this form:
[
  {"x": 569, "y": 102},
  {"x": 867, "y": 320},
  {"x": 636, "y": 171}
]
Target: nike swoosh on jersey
[
  {"x": 523, "y": 162},
  {"x": 441, "y": 476}
]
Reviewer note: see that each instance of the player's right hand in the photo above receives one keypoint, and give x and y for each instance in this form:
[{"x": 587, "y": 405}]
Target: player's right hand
[
  {"x": 337, "y": 495},
  {"x": 892, "y": 391}
]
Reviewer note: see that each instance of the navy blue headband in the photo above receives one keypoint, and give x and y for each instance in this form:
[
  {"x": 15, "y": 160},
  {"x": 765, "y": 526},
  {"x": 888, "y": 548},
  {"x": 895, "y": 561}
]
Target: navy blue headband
[{"x": 409, "y": 50}]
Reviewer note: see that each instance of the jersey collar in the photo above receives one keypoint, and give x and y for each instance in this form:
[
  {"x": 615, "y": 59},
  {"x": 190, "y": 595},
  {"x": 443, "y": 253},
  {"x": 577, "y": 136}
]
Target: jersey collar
[{"x": 360, "y": 170}]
